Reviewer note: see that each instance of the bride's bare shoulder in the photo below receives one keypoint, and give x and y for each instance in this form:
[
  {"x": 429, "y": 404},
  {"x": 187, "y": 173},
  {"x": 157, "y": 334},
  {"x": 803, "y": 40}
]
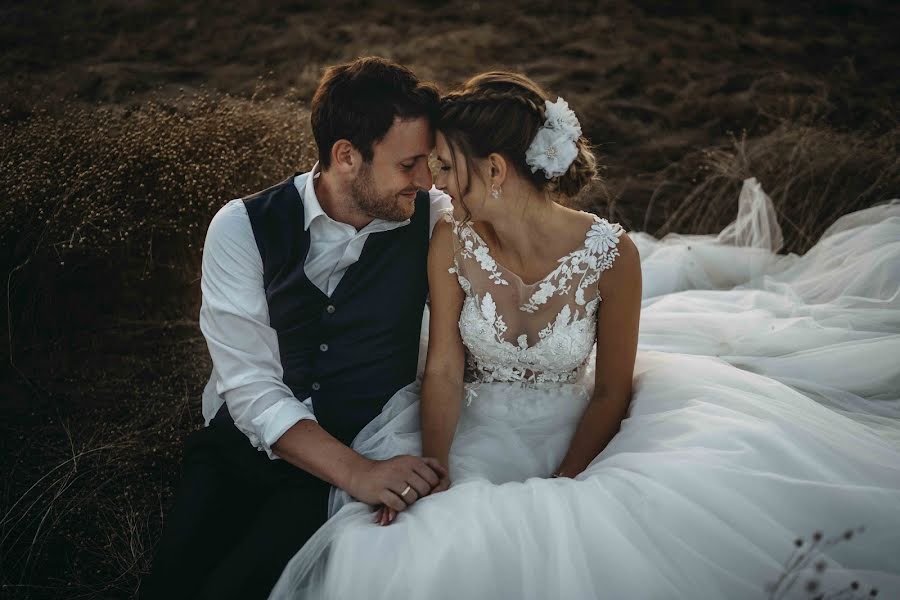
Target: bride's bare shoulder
[
  {"x": 578, "y": 220},
  {"x": 441, "y": 246}
]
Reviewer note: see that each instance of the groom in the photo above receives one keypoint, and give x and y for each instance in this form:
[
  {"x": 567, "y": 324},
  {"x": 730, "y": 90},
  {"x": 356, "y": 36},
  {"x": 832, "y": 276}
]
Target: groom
[{"x": 313, "y": 294}]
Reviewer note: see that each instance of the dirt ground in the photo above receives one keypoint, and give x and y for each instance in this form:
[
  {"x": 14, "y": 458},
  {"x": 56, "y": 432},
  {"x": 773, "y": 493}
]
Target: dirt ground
[{"x": 124, "y": 125}]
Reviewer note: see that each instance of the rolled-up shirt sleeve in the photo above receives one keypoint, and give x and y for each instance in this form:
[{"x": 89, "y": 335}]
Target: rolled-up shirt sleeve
[{"x": 234, "y": 319}]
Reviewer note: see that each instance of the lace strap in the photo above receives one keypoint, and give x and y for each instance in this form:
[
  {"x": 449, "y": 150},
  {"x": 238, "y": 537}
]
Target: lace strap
[
  {"x": 582, "y": 267},
  {"x": 602, "y": 240},
  {"x": 446, "y": 215},
  {"x": 468, "y": 244}
]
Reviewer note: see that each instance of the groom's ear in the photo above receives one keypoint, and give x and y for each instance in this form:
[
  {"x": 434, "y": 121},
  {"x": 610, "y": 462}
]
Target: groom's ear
[{"x": 345, "y": 158}]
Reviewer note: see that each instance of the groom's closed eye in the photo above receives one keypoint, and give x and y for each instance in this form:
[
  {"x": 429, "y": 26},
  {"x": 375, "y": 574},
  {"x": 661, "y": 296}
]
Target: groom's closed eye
[{"x": 410, "y": 163}]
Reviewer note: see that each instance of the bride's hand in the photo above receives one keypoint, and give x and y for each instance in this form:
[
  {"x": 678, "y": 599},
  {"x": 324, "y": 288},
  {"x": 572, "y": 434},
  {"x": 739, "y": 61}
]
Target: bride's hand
[{"x": 384, "y": 515}]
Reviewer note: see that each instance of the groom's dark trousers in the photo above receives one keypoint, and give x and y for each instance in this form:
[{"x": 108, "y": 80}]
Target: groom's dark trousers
[{"x": 239, "y": 517}]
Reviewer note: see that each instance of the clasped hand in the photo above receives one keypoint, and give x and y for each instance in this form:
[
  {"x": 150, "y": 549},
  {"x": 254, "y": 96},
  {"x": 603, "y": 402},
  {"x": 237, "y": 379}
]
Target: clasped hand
[{"x": 381, "y": 483}]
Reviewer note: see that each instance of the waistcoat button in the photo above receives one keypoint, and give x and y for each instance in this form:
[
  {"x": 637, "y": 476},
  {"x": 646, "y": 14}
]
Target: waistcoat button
[
  {"x": 323, "y": 347},
  {"x": 330, "y": 309},
  {"x": 316, "y": 386}
]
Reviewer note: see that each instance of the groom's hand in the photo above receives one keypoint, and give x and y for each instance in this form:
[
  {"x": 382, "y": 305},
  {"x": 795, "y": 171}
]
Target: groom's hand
[
  {"x": 385, "y": 515},
  {"x": 383, "y": 481},
  {"x": 442, "y": 486}
]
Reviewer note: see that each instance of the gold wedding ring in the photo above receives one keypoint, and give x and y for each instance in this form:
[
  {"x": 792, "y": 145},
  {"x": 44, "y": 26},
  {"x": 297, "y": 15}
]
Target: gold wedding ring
[{"x": 406, "y": 491}]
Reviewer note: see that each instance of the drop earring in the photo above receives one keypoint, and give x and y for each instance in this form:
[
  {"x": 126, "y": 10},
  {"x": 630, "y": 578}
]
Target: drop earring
[{"x": 496, "y": 190}]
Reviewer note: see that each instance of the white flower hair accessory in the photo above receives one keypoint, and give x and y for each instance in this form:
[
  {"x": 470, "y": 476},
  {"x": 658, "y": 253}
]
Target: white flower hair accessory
[{"x": 553, "y": 148}]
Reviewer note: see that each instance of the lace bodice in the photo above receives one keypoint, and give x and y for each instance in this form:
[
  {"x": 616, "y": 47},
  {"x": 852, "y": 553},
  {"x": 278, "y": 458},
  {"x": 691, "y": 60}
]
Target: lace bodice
[{"x": 530, "y": 333}]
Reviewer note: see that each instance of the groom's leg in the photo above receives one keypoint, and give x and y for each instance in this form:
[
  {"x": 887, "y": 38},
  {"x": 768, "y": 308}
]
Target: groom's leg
[
  {"x": 201, "y": 526},
  {"x": 285, "y": 520}
]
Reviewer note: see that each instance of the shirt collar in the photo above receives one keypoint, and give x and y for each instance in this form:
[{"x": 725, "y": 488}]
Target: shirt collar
[{"x": 311, "y": 207}]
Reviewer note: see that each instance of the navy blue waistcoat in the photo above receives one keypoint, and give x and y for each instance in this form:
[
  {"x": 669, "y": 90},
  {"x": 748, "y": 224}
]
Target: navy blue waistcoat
[{"x": 352, "y": 351}]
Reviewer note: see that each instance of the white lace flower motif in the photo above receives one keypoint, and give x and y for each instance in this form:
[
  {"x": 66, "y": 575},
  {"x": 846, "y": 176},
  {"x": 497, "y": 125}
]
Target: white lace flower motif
[
  {"x": 487, "y": 263},
  {"x": 484, "y": 258},
  {"x": 540, "y": 297},
  {"x": 602, "y": 237},
  {"x": 553, "y": 148},
  {"x": 522, "y": 341},
  {"x": 579, "y": 296},
  {"x": 488, "y": 308}
]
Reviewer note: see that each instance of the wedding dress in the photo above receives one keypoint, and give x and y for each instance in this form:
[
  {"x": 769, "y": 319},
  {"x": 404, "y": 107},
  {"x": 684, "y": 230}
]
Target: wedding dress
[{"x": 766, "y": 406}]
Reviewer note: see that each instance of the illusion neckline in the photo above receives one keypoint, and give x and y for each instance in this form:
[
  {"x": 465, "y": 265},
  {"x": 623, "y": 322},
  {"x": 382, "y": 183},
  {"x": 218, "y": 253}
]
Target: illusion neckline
[{"x": 561, "y": 260}]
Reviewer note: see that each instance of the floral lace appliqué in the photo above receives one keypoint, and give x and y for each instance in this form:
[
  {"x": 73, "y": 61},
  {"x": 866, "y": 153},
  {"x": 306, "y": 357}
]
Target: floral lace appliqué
[
  {"x": 471, "y": 246},
  {"x": 585, "y": 264},
  {"x": 494, "y": 353},
  {"x": 558, "y": 357}
]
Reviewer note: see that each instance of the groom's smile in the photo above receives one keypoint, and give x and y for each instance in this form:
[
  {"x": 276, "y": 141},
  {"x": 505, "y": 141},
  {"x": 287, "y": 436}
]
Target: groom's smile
[{"x": 398, "y": 170}]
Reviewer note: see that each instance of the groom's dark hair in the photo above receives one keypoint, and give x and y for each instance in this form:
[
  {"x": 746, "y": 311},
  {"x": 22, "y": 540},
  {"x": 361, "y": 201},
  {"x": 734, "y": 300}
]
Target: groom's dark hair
[{"x": 358, "y": 102}]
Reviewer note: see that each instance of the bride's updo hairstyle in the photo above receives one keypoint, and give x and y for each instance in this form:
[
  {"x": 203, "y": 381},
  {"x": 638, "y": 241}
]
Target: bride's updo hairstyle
[{"x": 501, "y": 112}]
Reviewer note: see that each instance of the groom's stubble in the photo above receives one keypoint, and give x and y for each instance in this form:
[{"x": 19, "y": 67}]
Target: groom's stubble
[{"x": 365, "y": 195}]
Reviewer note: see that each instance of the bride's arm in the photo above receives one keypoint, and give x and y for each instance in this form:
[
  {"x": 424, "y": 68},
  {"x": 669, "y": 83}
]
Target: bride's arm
[
  {"x": 618, "y": 320},
  {"x": 442, "y": 385}
]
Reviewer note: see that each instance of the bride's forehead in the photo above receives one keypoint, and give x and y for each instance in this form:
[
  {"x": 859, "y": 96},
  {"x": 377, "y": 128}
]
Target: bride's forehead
[{"x": 445, "y": 151}]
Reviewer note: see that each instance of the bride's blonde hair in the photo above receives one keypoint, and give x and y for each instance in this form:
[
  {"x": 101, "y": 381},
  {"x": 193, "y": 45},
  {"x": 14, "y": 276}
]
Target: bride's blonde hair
[{"x": 501, "y": 112}]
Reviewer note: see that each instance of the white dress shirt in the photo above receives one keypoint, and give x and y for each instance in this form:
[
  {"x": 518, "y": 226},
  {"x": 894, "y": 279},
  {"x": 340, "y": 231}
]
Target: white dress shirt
[{"x": 234, "y": 314}]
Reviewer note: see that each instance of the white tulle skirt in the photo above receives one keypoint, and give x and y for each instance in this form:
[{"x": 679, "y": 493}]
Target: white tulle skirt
[{"x": 766, "y": 407}]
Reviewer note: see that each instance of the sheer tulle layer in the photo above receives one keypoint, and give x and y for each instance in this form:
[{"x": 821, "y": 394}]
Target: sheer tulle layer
[{"x": 765, "y": 407}]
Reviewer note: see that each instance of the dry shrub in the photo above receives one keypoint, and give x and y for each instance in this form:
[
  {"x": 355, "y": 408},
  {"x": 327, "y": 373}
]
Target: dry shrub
[
  {"x": 87, "y": 487},
  {"x": 814, "y": 174},
  {"x": 103, "y": 209}
]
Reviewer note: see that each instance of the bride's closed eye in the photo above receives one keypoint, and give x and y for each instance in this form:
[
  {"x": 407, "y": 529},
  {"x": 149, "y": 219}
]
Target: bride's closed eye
[{"x": 438, "y": 168}]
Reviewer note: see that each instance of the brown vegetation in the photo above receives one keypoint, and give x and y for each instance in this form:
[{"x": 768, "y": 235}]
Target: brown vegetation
[{"x": 125, "y": 125}]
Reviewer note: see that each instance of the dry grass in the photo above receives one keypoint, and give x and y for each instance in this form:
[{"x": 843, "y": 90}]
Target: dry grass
[
  {"x": 86, "y": 489},
  {"x": 813, "y": 174},
  {"x": 799, "y": 565},
  {"x": 101, "y": 206}
]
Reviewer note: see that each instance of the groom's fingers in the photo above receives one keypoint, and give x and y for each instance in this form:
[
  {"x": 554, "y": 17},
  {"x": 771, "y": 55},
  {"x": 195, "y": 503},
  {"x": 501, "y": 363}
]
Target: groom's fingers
[
  {"x": 435, "y": 464},
  {"x": 427, "y": 473},
  {"x": 406, "y": 485},
  {"x": 420, "y": 485},
  {"x": 393, "y": 499}
]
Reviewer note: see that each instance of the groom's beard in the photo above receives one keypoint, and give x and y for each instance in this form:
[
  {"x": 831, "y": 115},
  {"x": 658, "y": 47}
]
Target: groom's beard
[{"x": 390, "y": 207}]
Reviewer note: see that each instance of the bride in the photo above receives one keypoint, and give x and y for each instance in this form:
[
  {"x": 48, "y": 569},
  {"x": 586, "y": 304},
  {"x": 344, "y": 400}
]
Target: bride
[{"x": 750, "y": 448}]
